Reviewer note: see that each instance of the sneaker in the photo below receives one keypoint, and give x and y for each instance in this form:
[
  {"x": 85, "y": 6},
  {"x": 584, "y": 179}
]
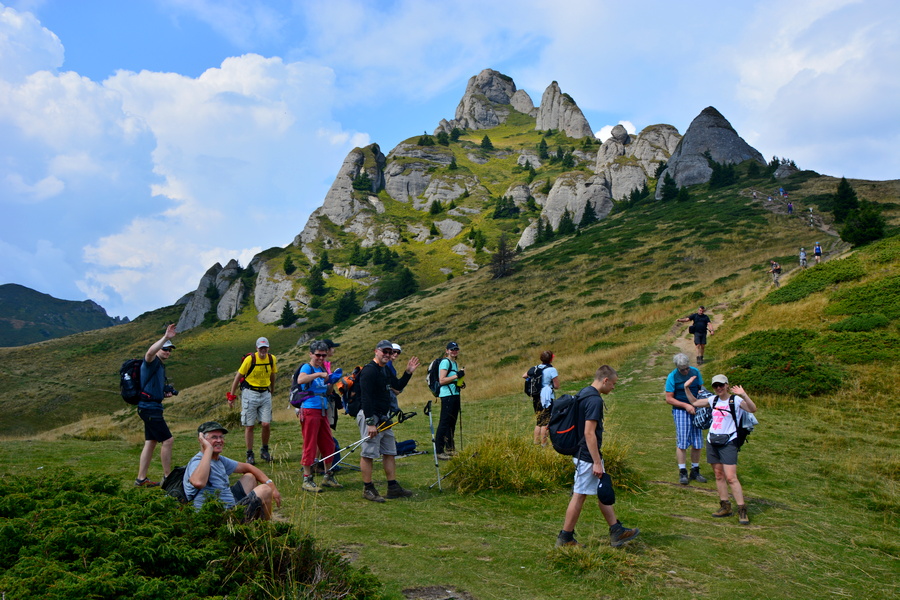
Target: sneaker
[
  {"x": 310, "y": 486},
  {"x": 444, "y": 456},
  {"x": 683, "y": 476},
  {"x": 395, "y": 491},
  {"x": 619, "y": 535},
  {"x": 145, "y": 482},
  {"x": 695, "y": 474},
  {"x": 264, "y": 454},
  {"x": 251, "y": 460},
  {"x": 743, "y": 518},
  {"x": 330, "y": 481},
  {"x": 724, "y": 509},
  {"x": 567, "y": 540},
  {"x": 373, "y": 495}
]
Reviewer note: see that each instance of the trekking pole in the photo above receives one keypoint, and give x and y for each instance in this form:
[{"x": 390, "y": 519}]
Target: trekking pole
[
  {"x": 448, "y": 474},
  {"x": 427, "y": 411},
  {"x": 352, "y": 447}
]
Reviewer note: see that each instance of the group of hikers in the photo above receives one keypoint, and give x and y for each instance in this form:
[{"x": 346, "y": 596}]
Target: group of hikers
[
  {"x": 775, "y": 267},
  {"x": 313, "y": 397}
]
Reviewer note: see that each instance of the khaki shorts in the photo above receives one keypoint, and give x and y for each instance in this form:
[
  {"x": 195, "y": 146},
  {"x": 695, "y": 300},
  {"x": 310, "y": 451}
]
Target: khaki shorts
[
  {"x": 256, "y": 407},
  {"x": 383, "y": 444}
]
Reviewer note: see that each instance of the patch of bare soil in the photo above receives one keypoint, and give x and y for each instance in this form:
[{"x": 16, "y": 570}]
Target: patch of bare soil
[{"x": 436, "y": 592}]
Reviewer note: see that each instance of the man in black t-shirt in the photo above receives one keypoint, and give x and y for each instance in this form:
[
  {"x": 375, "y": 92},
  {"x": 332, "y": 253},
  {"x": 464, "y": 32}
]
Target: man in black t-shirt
[
  {"x": 591, "y": 478},
  {"x": 701, "y": 327}
]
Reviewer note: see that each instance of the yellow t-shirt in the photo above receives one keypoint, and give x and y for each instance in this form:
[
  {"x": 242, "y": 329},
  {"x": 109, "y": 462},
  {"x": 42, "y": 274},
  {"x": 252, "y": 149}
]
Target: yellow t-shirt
[{"x": 262, "y": 372}]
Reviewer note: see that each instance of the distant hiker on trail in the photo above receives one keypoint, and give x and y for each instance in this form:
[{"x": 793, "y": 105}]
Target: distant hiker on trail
[
  {"x": 790, "y": 208},
  {"x": 256, "y": 376},
  {"x": 375, "y": 383},
  {"x": 155, "y": 388},
  {"x": 775, "y": 270},
  {"x": 701, "y": 325},
  {"x": 206, "y": 477},
  {"x": 802, "y": 258},
  {"x": 549, "y": 384},
  {"x": 317, "y": 439},
  {"x": 591, "y": 478},
  {"x": 723, "y": 455},
  {"x": 686, "y": 434},
  {"x": 450, "y": 377},
  {"x": 817, "y": 253}
]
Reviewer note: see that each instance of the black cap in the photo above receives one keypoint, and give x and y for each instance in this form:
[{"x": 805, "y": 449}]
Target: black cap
[
  {"x": 452, "y": 346},
  {"x": 211, "y": 426},
  {"x": 331, "y": 344},
  {"x": 384, "y": 344}
]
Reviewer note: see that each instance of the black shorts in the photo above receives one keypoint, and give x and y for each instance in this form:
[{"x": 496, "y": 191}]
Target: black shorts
[
  {"x": 700, "y": 338},
  {"x": 155, "y": 428},
  {"x": 253, "y": 505}
]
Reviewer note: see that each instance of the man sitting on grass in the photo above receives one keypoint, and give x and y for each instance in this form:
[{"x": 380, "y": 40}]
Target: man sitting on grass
[{"x": 206, "y": 476}]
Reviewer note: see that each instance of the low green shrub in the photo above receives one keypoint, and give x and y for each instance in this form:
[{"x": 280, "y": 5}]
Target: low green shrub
[
  {"x": 794, "y": 373},
  {"x": 773, "y": 340},
  {"x": 860, "y": 347},
  {"x": 817, "y": 279},
  {"x": 602, "y": 345},
  {"x": 508, "y": 360},
  {"x": 862, "y": 322},
  {"x": 67, "y": 537},
  {"x": 882, "y": 294},
  {"x": 508, "y": 463}
]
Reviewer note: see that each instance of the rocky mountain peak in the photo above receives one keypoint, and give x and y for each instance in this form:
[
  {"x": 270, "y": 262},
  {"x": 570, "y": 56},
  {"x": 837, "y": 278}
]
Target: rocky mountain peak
[
  {"x": 708, "y": 132},
  {"x": 486, "y": 102},
  {"x": 559, "y": 111}
]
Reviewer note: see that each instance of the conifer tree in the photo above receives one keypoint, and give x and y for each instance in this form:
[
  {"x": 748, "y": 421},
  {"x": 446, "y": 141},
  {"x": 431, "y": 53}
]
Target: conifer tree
[
  {"x": 486, "y": 143},
  {"x": 566, "y": 224},
  {"x": 288, "y": 265},
  {"x": 502, "y": 259},
  {"x": 589, "y": 217},
  {"x": 347, "y": 307},
  {"x": 324, "y": 263},
  {"x": 288, "y": 316},
  {"x": 315, "y": 283},
  {"x": 845, "y": 200}
]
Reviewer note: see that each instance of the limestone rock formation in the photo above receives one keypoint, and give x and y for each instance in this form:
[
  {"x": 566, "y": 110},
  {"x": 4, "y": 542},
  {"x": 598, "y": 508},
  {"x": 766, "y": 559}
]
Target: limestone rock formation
[
  {"x": 628, "y": 162},
  {"x": 231, "y": 301},
  {"x": 522, "y": 102},
  {"x": 485, "y": 103},
  {"x": 272, "y": 289},
  {"x": 559, "y": 111},
  {"x": 199, "y": 303},
  {"x": 708, "y": 132},
  {"x": 339, "y": 205}
]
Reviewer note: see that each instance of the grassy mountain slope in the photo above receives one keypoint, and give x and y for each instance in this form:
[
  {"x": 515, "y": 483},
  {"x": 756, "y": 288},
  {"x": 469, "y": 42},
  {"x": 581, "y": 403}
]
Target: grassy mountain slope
[{"x": 820, "y": 474}]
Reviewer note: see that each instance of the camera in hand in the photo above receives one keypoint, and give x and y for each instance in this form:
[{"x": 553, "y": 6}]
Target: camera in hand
[{"x": 168, "y": 389}]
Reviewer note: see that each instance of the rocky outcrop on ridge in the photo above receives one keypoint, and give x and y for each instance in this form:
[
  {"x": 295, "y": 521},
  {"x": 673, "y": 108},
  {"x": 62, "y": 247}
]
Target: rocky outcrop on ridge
[
  {"x": 522, "y": 102},
  {"x": 708, "y": 132},
  {"x": 559, "y": 111},
  {"x": 628, "y": 162},
  {"x": 199, "y": 303},
  {"x": 272, "y": 290},
  {"x": 339, "y": 205},
  {"x": 485, "y": 103},
  {"x": 231, "y": 301},
  {"x": 571, "y": 191}
]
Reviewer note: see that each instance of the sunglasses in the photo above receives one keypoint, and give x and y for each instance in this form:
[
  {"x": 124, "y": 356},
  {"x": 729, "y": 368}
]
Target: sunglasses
[
  {"x": 388, "y": 351},
  {"x": 166, "y": 349},
  {"x": 718, "y": 385},
  {"x": 320, "y": 355}
]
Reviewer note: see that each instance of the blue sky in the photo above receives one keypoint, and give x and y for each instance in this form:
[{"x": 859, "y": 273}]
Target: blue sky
[{"x": 143, "y": 141}]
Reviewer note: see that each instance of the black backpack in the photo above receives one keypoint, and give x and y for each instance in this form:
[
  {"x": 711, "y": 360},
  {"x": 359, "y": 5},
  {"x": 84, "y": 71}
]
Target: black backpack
[
  {"x": 173, "y": 484},
  {"x": 434, "y": 377},
  {"x": 252, "y": 355},
  {"x": 348, "y": 388},
  {"x": 130, "y": 380},
  {"x": 566, "y": 432},
  {"x": 776, "y": 268},
  {"x": 742, "y": 432},
  {"x": 534, "y": 380}
]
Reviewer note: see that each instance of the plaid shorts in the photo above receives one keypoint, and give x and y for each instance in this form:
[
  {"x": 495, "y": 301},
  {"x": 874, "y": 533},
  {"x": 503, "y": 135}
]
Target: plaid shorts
[{"x": 686, "y": 435}]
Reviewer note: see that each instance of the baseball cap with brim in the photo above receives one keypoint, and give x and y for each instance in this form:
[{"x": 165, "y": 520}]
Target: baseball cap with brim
[
  {"x": 452, "y": 346},
  {"x": 384, "y": 345},
  {"x": 168, "y": 345},
  {"x": 720, "y": 379},
  {"x": 331, "y": 344},
  {"x": 211, "y": 426},
  {"x": 605, "y": 493},
  {"x": 397, "y": 348},
  {"x": 262, "y": 343}
]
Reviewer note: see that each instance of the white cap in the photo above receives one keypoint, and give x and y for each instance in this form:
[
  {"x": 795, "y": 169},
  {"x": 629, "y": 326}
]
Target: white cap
[
  {"x": 720, "y": 379},
  {"x": 396, "y": 347},
  {"x": 262, "y": 342}
]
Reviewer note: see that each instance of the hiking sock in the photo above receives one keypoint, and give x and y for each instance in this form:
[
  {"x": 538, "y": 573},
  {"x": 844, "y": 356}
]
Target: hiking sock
[
  {"x": 566, "y": 536},
  {"x": 369, "y": 486},
  {"x": 392, "y": 482}
]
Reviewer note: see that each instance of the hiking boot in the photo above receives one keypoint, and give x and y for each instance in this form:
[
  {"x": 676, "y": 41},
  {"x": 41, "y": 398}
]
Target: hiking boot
[
  {"x": 619, "y": 535},
  {"x": 683, "y": 476},
  {"x": 567, "y": 539},
  {"x": 444, "y": 456},
  {"x": 310, "y": 486},
  {"x": 699, "y": 360},
  {"x": 695, "y": 474},
  {"x": 330, "y": 481},
  {"x": 724, "y": 509},
  {"x": 743, "y": 518},
  {"x": 251, "y": 460},
  {"x": 395, "y": 491},
  {"x": 373, "y": 495},
  {"x": 145, "y": 482},
  {"x": 264, "y": 454}
]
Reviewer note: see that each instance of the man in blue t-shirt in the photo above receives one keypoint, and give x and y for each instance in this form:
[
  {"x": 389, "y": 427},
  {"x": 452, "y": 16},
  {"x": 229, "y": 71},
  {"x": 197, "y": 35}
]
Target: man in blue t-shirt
[
  {"x": 206, "y": 477},
  {"x": 686, "y": 435},
  {"x": 154, "y": 389},
  {"x": 591, "y": 478}
]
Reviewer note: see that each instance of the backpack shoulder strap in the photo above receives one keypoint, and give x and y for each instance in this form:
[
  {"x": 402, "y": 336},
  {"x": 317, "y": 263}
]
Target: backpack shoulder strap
[{"x": 733, "y": 412}]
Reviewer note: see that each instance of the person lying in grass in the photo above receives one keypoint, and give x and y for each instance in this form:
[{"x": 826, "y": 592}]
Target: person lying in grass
[{"x": 206, "y": 476}]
